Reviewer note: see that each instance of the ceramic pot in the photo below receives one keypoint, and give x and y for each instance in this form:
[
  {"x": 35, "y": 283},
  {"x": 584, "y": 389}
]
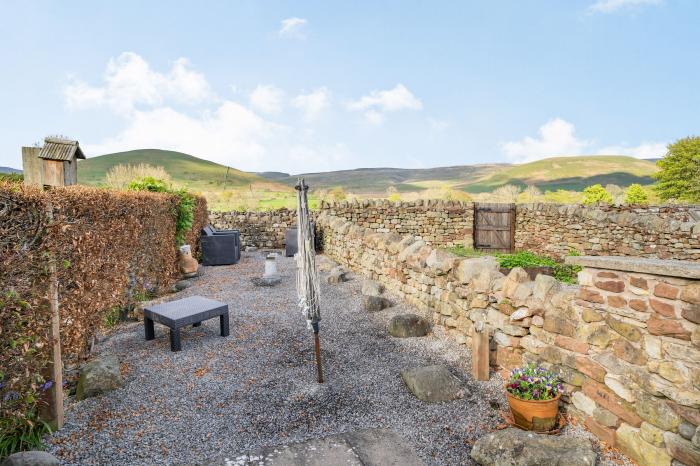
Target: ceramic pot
[{"x": 537, "y": 415}]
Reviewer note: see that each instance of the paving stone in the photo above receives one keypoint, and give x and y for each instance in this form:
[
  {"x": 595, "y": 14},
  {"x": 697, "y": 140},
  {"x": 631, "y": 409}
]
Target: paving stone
[{"x": 433, "y": 383}]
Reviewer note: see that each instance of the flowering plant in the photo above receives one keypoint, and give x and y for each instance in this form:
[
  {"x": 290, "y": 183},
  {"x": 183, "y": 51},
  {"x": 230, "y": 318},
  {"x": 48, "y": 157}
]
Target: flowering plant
[{"x": 533, "y": 382}]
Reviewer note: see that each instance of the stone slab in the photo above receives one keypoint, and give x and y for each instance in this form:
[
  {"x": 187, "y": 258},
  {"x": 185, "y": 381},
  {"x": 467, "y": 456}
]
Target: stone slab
[
  {"x": 372, "y": 447},
  {"x": 667, "y": 268}
]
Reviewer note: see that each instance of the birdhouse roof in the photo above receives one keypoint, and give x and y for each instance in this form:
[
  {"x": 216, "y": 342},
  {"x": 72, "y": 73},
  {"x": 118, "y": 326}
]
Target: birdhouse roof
[{"x": 60, "y": 149}]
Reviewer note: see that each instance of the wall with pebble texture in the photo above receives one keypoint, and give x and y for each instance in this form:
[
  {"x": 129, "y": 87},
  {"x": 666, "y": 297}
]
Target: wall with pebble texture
[{"x": 626, "y": 342}]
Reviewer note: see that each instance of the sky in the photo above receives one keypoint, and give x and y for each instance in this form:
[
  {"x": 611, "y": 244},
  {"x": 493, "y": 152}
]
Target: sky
[{"x": 310, "y": 86}]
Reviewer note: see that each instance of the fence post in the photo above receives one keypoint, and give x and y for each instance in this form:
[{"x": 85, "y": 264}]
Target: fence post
[
  {"x": 56, "y": 407},
  {"x": 480, "y": 351}
]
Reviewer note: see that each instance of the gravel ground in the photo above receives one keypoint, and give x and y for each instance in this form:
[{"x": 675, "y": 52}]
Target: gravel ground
[{"x": 257, "y": 387}]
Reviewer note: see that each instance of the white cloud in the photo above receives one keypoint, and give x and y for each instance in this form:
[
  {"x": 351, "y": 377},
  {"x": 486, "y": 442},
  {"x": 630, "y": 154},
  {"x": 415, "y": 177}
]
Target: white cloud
[
  {"x": 313, "y": 103},
  {"x": 611, "y": 6},
  {"x": 231, "y": 135},
  {"x": 646, "y": 150},
  {"x": 377, "y": 103},
  {"x": 267, "y": 99},
  {"x": 237, "y": 134},
  {"x": 556, "y": 138},
  {"x": 129, "y": 82},
  {"x": 293, "y": 28}
]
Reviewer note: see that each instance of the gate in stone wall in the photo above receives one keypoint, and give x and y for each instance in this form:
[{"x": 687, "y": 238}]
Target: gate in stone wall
[{"x": 494, "y": 227}]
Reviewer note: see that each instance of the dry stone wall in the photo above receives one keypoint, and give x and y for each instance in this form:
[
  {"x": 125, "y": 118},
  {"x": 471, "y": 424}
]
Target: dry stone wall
[
  {"x": 258, "y": 229},
  {"x": 437, "y": 222},
  {"x": 626, "y": 342},
  {"x": 664, "y": 232}
]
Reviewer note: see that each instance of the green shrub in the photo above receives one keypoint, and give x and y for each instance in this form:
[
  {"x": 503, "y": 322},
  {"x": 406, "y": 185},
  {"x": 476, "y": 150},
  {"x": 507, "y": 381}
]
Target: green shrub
[
  {"x": 461, "y": 251},
  {"x": 185, "y": 206},
  {"x": 22, "y": 434},
  {"x": 635, "y": 194},
  {"x": 563, "y": 272},
  {"x": 596, "y": 193}
]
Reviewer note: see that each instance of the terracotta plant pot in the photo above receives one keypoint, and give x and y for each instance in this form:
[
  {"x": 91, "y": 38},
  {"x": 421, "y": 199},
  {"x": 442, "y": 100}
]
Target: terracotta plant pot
[{"x": 536, "y": 415}]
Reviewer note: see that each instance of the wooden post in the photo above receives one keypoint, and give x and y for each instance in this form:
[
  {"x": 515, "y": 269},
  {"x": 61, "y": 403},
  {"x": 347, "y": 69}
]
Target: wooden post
[
  {"x": 56, "y": 410},
  {"x": 480, "y": 351}
]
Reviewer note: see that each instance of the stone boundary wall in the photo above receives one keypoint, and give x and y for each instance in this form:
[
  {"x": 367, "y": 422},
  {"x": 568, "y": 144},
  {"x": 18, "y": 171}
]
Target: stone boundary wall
[
  {"x": 664, "y": 232},
  {"x": 259, "y": 229},
  {"x": 437, "y": 222},
  {"x": 625, "y": 343}
]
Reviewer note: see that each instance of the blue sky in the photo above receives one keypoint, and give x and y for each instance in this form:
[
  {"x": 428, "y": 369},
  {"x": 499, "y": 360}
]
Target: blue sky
[{"x": 314, "y": 86}]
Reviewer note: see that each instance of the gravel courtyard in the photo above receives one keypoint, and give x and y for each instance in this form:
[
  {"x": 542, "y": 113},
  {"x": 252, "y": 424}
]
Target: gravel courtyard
[{"x": 257, "y": 387}]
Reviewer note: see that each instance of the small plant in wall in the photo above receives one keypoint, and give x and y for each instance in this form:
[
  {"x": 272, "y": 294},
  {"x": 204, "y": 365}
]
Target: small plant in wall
[{"x": 533, "y": 396}]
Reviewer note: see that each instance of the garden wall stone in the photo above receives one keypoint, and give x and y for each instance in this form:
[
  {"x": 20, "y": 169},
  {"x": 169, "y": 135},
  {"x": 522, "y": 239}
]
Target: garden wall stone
[
  {"x": 624, "y": 342},
  {"x": 663, "y": 232}
]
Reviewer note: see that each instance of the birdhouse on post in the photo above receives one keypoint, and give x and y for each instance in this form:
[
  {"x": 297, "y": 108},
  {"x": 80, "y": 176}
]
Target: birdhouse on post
[{"x": 54, "y": 164}]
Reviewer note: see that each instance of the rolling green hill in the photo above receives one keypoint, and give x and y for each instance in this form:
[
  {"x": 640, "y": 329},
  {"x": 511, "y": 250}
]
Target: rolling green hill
[
  {"x": 185, "y": 170},
  {"x": 570, "y": 173}
]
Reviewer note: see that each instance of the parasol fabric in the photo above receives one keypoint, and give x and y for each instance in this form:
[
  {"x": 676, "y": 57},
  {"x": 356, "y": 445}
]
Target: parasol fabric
[{"x": 308, "y": 284}]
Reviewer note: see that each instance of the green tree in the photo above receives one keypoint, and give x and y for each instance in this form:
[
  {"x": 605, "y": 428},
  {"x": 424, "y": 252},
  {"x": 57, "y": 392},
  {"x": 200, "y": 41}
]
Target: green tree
[
  {"x": 635, "y": 194},
  {"x": 679, "y": 177},
  {"x": 596, "y": 193}
]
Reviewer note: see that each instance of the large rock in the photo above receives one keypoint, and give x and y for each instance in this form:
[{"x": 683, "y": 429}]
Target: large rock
[
  {"x": 372, "y": 288},
  {"x": 468, "y": 269},
  {"x": 375, "y": 303},
  {"x": 440, "y": 261},
  {"x": 681, "y": 449},
  {"x": 432, "y": 383},
  {"x": 99, "y": 376},
  {"x": 31, "y": 458},
  {"x": 515, "y": 447},
  {"x": 408, "y": 325},
  {"x": 338, "y": 275},
  {"x": 631, "y": 442}
]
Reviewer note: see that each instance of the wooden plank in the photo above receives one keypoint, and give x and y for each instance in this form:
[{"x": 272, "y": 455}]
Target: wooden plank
[
  {"x": 53, "y": 172},
  {"x": 480, "y": 352},
  {"x": 57, "y": 363}
]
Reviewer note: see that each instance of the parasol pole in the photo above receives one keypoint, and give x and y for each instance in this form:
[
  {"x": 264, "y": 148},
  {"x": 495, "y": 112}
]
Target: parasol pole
[{"x": 308, "y": 286}]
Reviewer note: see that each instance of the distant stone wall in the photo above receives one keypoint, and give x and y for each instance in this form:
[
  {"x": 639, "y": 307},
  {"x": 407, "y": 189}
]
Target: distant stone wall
[
  {"x": 626, "y": 342},
  {"x": 664, "y": 232},
  {"x": 259, "y": 229},
  {"x": 437, "y": 222}
]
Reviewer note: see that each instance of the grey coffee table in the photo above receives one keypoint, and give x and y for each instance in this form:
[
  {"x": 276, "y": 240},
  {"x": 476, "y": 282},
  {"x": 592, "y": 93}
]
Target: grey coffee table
[{"x": 183, "y": 312}]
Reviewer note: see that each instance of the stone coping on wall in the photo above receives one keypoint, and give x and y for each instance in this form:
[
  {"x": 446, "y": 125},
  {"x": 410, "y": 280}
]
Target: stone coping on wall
[{"x": 669, "y": 268}]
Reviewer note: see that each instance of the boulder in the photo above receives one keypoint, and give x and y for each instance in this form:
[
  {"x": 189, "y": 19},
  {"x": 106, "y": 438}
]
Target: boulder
[
  {"x": 337, "y": 275},
  {"x": 468, "y": 269},
  {"x": 440, "y": 261},
  {"x": 372, "y": 288},
  {"x": 408, "y": 325},
  {"x": 375, "y": 303},
  {"x": 31, "y": 458},
  {"x": 515, "y": 447},
  {"x": 99, "y": 376},
  {"x": 433, "y": 383},
  {"x": 182, "y": 285}
]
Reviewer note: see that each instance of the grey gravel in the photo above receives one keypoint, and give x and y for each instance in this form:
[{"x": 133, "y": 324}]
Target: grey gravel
[{"x": 256, "y": 388}]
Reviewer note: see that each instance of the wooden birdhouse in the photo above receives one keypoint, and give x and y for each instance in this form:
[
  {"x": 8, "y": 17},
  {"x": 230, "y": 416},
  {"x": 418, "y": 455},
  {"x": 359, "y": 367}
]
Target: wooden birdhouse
[{"x": 54, "y": 164}]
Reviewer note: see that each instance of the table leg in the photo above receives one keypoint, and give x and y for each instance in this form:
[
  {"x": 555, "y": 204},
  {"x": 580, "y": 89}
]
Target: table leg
[
  {"x": 148, "y": 326},
  {"x": 175, "y": 339},
  {"x": 223, "y": 323}
]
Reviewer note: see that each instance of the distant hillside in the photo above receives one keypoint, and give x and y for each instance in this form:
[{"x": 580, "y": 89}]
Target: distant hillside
[
  {"x": 185, "y": 170},
  {"x": 9, "y": 170},
  {"x": 377, "y": 180},
  {"x": 571, "y": 173}
]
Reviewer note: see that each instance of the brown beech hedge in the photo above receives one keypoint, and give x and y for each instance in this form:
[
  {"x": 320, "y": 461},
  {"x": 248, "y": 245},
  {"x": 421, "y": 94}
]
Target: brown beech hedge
[{"x": 111, "y": 248}]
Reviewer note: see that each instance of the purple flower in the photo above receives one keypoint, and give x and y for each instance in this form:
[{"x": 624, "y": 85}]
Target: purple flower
[
  {"x": 11, "y": 395},
  {"x": 46, "y": 386}
]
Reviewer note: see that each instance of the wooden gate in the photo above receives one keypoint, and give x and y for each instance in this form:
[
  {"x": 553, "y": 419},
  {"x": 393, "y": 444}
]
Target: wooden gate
[{"x": 494, "y": 227}]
